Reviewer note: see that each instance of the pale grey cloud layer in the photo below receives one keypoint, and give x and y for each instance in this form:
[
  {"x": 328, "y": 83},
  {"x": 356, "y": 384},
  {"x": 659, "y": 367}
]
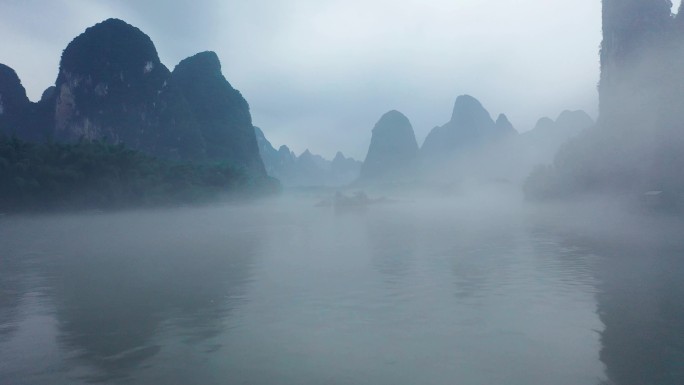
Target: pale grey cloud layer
[{"x": 319, "y": 73}]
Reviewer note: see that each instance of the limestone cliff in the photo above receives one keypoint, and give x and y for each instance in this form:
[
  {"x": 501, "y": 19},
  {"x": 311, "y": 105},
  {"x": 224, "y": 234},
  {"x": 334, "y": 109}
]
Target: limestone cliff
[{"x": 393, "y": 149}]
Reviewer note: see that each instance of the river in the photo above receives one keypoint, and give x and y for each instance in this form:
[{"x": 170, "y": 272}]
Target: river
[{"x": 282, "y": 292}]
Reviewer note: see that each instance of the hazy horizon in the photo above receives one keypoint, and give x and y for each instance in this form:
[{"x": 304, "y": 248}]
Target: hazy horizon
[{"x": 319, "y": 76}]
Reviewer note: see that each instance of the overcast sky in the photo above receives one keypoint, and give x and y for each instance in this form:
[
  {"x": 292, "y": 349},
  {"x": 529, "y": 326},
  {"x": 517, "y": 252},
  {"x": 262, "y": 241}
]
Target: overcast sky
[{"x": 318, "y": 74}]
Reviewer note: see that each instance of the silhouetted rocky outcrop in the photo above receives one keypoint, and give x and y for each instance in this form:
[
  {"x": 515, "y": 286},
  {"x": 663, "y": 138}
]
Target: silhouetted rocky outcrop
[
  {"x": 471, "y": 147},
  {"x": 108, "y": 84},
  {"x": 393, "y": 149},
  {"x": 14, "y": 103},
  {"x": 636, "y": 35},
  {"x": 220, "y": 112},
  {"x": 113, "y": 87},
  {"x": 269, "y": 155},
  {"x": 286, "y": 164},
  {"x": 504, "y": 126},
  {"x": 470, "y": 125},
  {"x": 18, "y": 115},
  {"x": 637, "y": 144}
]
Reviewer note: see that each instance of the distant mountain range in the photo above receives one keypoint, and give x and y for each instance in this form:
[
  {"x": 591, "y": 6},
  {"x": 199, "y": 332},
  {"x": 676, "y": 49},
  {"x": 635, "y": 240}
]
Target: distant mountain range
[
  {"x": 307, "y": 169},
  {"x": 112, "y": 87},
  {"x": 470, "y": 125},
  {"x": 471, "y": 146}
]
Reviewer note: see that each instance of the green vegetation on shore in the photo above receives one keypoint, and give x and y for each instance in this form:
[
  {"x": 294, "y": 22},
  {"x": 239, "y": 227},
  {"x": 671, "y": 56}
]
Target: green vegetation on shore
[{"x": 98, "y": 175}]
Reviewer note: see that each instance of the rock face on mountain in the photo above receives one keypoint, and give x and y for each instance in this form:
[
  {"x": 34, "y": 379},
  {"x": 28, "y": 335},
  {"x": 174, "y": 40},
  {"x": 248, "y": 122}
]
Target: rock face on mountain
[
  {"x": 271, "y": 157},
  {"x": 14, "y": 104},
  {"x": 635, "y": 54},
  {"x": 393, "y": 149},
  {"x": 637, "y": 143},
  {"x": 307, "y": 169},
  {"x": 470, "y": 125},
  {"x": 113, "y": 87},
  {"x": 220, "y": 112},
  {"x": 18, "y": 115},
  {"x": 640, "y": 91},
  {"x": 109, "y": 80}
]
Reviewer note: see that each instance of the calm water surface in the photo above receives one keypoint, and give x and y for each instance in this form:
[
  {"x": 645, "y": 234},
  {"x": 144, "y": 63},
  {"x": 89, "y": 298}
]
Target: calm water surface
[{"x": 286, "y": 293}]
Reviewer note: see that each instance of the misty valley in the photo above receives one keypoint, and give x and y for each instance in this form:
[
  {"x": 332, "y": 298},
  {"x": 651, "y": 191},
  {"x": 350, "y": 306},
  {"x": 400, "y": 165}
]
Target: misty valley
[{"x": 151, "y": 233}]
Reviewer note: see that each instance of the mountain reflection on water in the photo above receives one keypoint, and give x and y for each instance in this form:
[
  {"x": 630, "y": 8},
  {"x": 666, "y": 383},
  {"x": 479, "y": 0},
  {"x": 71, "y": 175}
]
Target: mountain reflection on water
[
  {"x": 114, "y": 284},
  {"x": 283, "y": 292},
  {"x": 639, "y": 293}
]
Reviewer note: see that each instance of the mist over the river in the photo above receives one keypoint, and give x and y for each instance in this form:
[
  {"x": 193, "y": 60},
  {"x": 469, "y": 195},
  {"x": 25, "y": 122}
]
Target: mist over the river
[
  {"x": 436, "y": 193},
  {"x": 422, "y": 290}
]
